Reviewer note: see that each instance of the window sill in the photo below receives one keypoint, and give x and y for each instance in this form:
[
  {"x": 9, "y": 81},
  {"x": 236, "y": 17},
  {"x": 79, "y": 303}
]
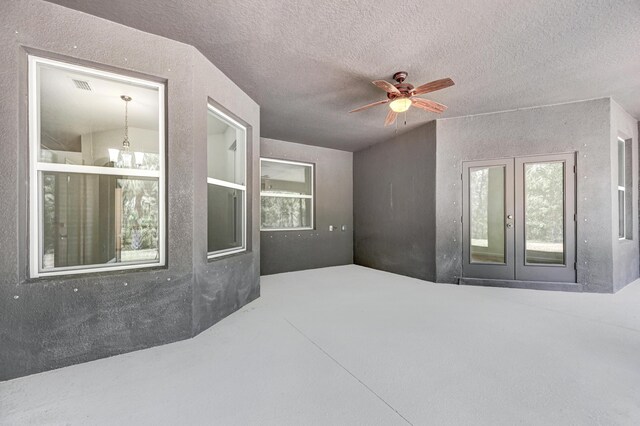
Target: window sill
[
  {"x": 226, "y": 253},
  {"x": 286, "y": 229},
  {"x": 97, "y": 271}
]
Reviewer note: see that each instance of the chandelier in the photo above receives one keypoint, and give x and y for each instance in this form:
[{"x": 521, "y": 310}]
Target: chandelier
[{"x": 125, "y": 156}]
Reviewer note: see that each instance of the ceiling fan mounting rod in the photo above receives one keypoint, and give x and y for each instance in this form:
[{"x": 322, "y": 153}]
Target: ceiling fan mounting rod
[
  {"x": 400, "y": 76},
  {"x": 404, "y": 88}
]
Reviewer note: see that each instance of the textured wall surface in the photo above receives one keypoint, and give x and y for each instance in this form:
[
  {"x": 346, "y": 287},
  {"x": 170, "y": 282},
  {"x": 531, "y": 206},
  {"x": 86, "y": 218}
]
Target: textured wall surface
[
  {"x": 394, "y": 204},
  {"x": 582, "y": 127},
  {"x": 283, "y": 251},
  {"x": 625, "y": 252},
  {"x": 46, "y": 323}
]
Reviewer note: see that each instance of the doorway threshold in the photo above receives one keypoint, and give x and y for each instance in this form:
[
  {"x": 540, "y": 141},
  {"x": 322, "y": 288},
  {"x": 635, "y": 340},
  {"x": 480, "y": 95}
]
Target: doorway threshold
[{"x": 531, "y": 285}]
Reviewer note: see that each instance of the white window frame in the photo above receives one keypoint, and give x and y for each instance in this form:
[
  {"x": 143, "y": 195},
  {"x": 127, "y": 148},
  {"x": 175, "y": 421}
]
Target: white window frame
[
  {"x": 270, "y": 194},
  {"x": 232, "y": 185},
  {"x": 36, "y": 166},
  {"x": 622, "y": 213}
]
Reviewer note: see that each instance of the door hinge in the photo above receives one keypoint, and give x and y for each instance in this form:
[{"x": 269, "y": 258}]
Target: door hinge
[
  {"x": 575, "y": 266},
  {"x": 575, "y": 217},
  {"x": 574, "y": 169}
]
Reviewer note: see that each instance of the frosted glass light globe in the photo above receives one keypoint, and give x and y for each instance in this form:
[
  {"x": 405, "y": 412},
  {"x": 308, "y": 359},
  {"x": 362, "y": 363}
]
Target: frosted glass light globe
[{"x": 400, "y": 104}]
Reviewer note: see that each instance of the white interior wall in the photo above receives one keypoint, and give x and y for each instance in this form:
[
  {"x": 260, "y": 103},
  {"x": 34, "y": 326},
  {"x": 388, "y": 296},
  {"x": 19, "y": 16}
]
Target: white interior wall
[
  {"x": 95, "y": 146},
  {"x": 223, "y": 162}
]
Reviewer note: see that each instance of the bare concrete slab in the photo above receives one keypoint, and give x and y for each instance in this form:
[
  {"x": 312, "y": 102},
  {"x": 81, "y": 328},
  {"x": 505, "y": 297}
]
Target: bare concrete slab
[{"x": 351, "y": 345}]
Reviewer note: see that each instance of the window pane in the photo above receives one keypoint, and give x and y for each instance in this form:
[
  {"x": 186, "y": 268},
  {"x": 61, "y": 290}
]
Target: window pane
[
  {"x": 225, "y": 150},
  {"x": 82, "y": 120},
  {"x": 486, "y": 201},
  {"x": 625, "y": 187},
  {"x": 285, "y": 178},
  {"x": 544, "y": 213},
  {"x": 224, "y": 221},
  {"x": 621, "y": 163},
  {"x": 98, "y": 219},
  {"x": 621, "y": 208},
  {"x": 285, "y": 212}
]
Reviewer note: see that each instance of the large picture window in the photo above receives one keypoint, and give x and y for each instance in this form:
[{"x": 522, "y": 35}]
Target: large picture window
[
  {"x": 96, "y": 170},
  {"x": 286, "y": 195},
  {"x": 226, "y": 187}
]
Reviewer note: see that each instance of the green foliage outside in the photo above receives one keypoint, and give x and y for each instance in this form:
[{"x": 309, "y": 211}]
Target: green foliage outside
[
  {"x": 139, "y": 214},
  {"x": 284, "y": 212},
  {"x": 544, "y": 206}
]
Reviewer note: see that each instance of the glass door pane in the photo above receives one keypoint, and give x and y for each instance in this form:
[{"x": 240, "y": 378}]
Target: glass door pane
[
  {"x": 544, "y": 213},
  {"x": 487, "y": 213},
  {"x": 545, "y": 218}
]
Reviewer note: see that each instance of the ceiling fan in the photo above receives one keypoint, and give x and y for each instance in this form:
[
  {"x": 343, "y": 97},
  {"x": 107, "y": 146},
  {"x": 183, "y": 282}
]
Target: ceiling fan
[{"x": 401, "y": 96}]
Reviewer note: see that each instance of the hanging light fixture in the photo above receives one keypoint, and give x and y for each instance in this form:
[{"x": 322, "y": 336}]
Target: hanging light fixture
[
  {"x": 400, "y": 104},
  {"x": 125, "y": 156}
]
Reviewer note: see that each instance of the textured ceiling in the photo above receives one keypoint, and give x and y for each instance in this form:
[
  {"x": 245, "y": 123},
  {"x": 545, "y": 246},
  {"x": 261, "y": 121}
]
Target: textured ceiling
[{"x": 308, "y": 62}]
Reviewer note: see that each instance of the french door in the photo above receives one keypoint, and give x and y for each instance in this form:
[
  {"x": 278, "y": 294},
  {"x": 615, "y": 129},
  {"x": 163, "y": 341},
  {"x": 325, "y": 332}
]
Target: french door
[{"x": 519, "y": 218}]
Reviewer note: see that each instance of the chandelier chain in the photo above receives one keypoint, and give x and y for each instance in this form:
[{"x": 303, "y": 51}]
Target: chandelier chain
[{"x": 126, "y": 100}]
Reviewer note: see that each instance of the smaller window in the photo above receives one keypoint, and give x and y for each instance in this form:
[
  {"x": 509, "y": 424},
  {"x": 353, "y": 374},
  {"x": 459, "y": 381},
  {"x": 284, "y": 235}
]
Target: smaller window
[
  {"x": 226, "y": 187},
  {"x": 286, "y": 195},
  {"x": 625, "y": 190},
  {"x": 621, "y": 189}
]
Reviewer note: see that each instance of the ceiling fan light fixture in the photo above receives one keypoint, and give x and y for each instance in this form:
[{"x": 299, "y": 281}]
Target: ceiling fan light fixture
[{"x": 400, "y": 104}]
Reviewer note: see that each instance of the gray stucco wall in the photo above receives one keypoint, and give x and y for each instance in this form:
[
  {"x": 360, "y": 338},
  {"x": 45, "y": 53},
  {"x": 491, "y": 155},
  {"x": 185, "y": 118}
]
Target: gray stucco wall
[
  {"x": 408, "y": 191},
  {"x": 581, "y": 126},
  {"x": 49, "y": 323},
  {"x": 394, "y": 204},
  {"x": 283, "y": 251},
  {"x": 625, "y": 252}
]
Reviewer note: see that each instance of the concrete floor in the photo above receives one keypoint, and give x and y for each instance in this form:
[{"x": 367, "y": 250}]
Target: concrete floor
[{"x": 350, "y": 345}]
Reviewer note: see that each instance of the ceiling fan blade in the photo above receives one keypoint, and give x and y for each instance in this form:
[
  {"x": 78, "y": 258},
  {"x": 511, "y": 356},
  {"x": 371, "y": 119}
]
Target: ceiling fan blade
[
  {"x": 386, "y": 86},
  {"x": 370, "y": 105},
  {"x": 391, "y": 118},
  {"x": 428, "y": 105},
  {"x": 433, "y": 86}
]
